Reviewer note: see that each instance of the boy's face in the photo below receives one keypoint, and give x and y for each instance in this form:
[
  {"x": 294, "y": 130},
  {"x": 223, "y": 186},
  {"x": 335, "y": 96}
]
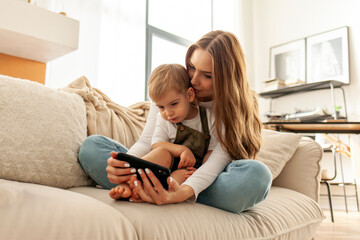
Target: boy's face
[{"x": 174, "y": 106}]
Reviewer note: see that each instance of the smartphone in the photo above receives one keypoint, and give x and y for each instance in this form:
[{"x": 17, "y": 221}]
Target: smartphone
[{"x": 162, "y": 173}]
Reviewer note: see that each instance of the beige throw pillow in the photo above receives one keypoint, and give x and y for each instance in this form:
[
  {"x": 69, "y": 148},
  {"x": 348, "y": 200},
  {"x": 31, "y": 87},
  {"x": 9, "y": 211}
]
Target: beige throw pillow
[
  {"x": 277, "y": 149},
  {"x": 41, "y": 130}
]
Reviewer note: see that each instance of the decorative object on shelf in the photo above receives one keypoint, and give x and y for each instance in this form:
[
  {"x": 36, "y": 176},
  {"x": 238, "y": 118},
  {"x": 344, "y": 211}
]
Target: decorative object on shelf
[
  {"x": 328, "y": 56},
  {"x": 274, "y": 84},
  {"x": 287, "y": 61},
  {"x": 313, "y": 115}
]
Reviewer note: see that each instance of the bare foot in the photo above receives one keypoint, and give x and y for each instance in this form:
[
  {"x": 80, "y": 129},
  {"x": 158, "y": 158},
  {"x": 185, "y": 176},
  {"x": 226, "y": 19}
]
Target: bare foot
[
  {"x": 121, "y": 191},
  {"x": 180, "y": 175},
  {"x": 134, "y": 194}
]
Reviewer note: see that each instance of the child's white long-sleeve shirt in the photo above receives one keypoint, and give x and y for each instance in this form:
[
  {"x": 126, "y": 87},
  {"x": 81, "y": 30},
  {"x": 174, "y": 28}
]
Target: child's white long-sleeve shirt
[{"x": 201, "y": 178}]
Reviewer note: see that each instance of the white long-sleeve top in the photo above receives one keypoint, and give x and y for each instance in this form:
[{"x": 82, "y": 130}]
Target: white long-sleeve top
[{"x": 204, "y": 176}]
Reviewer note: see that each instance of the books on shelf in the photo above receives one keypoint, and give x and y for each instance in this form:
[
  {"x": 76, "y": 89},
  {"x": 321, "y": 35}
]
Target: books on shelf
[
  {"x": 294, "y": 82},
  {"x": 275, "y": 84}
]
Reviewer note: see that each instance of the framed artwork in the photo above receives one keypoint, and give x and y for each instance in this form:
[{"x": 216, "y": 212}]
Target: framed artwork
[
  {"x": 287, "y": 62},
  {"x": 328, "y": 56}
]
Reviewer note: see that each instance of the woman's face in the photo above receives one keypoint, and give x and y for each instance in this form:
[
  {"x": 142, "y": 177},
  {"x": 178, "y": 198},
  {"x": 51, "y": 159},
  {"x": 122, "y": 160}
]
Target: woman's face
[{"x": 200, "y": 72}]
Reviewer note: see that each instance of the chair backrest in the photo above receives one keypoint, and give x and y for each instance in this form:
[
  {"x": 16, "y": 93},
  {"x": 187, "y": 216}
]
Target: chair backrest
[{"x": 326, "y": 174}]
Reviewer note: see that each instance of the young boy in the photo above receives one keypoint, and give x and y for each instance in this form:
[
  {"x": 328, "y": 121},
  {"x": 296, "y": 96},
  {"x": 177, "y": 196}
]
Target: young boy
[{"x": 182, "y": 138}]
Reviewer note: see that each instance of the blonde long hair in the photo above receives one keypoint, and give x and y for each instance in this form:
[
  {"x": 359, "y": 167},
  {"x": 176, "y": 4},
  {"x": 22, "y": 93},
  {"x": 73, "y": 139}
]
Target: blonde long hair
[{"x": 237, "y": 120}]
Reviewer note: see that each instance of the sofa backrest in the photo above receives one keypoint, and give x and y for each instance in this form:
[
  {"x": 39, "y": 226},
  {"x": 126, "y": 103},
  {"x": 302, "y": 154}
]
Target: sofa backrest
[{"x": 302, "y": 172}]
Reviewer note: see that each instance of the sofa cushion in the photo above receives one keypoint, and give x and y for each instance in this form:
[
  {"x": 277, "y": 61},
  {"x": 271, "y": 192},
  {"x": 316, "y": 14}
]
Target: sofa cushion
[
  {"x": 277, "y": 149},
  {"x": 303, "y": 172},
  {"x": 41, "y": 132},
  {"x": 284, "y": 214},
  {"x": 30, "y": 211}
]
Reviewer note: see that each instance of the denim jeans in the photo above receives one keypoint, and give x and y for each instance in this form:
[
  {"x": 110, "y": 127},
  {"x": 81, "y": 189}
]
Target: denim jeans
[{"x": 242, "y": 184}]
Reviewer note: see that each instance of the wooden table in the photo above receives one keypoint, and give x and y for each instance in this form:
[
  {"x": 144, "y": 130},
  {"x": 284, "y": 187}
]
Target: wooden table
[{"x": 315, "y": 127}]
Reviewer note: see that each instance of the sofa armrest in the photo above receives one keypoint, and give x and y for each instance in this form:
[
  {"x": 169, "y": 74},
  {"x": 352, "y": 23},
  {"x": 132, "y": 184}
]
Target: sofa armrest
[{"x": 302, "y": 172}]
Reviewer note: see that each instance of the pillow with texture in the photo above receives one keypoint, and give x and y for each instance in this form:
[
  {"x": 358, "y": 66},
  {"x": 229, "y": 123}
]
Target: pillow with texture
[
  {"x": 277, "y": 149},
  {"x": 41, "y": 130}
]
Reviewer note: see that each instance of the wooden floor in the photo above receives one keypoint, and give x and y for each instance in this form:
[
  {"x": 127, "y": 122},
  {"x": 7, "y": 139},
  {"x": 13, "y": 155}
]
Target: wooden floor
[{"x": 346, "y": 225}]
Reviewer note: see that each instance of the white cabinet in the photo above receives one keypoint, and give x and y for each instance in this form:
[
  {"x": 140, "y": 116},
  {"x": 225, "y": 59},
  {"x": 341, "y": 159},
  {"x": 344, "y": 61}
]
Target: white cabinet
[{"x": 34, "y": 33}]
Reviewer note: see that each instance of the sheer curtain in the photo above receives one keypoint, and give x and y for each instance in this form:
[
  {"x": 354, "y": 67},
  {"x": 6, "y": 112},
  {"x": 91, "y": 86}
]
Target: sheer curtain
[{"x": 111, "y": 51}]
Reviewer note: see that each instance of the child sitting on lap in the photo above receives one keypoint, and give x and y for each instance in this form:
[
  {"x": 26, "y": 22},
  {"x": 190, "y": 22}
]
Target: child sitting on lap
[{"x": 184, "y": 135}]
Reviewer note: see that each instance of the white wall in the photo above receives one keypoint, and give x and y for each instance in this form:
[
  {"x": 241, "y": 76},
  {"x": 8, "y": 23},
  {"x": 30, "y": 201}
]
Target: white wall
[
  {"x": 111, "y": 51},
  {"x": 278, "y": 21}
]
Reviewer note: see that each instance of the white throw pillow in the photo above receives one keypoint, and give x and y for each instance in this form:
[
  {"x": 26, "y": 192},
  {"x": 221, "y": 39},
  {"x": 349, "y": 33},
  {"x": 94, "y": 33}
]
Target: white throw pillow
[
  {"x": 41, "y": 130},
  {"x": 277, "y": 149}
]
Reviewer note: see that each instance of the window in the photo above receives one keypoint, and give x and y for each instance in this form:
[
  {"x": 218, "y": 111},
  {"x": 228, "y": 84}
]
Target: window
[{"x": 171, "y": 26}]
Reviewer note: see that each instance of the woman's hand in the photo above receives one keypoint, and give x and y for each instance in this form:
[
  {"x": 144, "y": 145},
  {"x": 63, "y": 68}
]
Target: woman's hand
[
  {"x": 187, "y": 159},
  {"x": 157, "y": 194},
  {"x": 119, "y": 171}
]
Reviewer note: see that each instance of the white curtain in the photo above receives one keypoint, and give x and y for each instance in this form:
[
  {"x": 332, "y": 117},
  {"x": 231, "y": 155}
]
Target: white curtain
[{"x": 111, "y": 51}]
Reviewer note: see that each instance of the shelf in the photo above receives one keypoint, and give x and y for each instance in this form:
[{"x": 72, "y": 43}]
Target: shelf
[
  {"x": 301, "y": 88},
  {"x": 34, "y": 33}
]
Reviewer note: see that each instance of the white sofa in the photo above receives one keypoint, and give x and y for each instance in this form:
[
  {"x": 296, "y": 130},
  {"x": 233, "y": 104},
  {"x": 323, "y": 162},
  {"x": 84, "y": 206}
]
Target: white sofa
[{"x": 71, "y": 207}]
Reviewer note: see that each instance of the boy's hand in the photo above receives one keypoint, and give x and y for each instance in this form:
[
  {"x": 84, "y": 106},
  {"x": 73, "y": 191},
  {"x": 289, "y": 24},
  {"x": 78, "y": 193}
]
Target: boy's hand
[
  {"x": 187, "y": 159},
  {"x": 190, "y": 171}
]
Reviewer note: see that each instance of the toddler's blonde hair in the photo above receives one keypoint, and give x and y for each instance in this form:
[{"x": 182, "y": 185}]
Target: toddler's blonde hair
[{"x": 168, "y": 77}]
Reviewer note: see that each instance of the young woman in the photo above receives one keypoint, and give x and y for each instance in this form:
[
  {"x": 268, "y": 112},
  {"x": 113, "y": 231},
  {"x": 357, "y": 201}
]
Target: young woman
[{"x": 217, "y": 70}]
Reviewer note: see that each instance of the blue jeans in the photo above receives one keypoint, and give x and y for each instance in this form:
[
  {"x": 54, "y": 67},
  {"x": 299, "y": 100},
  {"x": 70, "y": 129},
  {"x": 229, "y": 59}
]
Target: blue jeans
[{"x": 242, "y": 184}]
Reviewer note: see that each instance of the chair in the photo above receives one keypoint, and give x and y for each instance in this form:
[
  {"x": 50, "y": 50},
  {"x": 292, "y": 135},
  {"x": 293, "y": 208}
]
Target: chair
[{"x": 326, "y": 178}]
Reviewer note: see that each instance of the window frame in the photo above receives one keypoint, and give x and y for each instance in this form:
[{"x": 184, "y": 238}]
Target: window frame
[{"x": 152, "y": 31}]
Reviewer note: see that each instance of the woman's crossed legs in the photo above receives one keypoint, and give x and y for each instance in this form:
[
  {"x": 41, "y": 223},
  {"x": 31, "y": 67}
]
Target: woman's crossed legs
[{"x": 242, "y": 184}]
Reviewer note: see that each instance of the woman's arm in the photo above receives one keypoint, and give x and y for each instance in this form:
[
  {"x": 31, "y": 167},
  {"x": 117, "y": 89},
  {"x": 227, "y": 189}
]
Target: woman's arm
[
  {"x": 206, "y": 157},
  {"x": 205, "y": 175}
]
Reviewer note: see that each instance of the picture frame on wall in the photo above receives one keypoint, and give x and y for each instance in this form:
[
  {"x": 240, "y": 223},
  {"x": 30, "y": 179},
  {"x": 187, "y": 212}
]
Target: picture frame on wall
[
  {"x": 287, "y": 62},
  {"x": 328, "y": 56}
]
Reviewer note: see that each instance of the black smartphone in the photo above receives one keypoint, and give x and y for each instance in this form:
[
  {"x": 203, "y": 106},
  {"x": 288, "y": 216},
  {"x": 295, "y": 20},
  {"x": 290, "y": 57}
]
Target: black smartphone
[{"x": 162, "y": 173}]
